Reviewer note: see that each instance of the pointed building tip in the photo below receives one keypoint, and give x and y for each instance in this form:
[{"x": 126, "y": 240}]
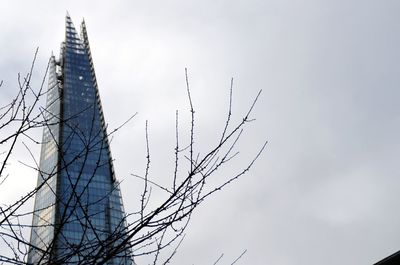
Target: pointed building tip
[
  {"x": 52, "y": 57},
  {"x": 68, "y": 17},
  {"x": 70, "y": 29}
]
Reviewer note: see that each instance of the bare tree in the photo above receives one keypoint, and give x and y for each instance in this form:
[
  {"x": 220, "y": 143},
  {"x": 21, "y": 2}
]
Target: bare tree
[
  {"x": 150, "y": 231},
  {"x": 18, "y": 119}
]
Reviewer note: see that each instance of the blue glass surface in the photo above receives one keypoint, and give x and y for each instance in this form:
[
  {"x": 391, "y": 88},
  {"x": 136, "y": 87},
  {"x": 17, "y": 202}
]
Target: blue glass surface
[{"x": 79, "y": 205}]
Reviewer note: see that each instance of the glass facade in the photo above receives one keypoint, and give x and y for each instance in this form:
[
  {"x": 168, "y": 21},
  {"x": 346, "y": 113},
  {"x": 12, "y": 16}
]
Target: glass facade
[{"x": 79, "y": 215}]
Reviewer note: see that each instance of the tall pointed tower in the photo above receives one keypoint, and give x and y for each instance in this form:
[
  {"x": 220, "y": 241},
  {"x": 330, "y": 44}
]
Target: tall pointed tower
[{"x": 78, "y": 215}]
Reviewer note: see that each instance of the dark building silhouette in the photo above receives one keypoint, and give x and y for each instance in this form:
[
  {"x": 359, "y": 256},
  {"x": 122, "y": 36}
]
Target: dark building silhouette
[
  {"x": 393, "y": 259},
  {"x": 78, "y": 213}
]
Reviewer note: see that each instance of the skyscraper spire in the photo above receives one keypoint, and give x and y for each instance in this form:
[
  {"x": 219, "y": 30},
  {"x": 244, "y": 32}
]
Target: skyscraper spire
[{"x": 78, "y": 215}]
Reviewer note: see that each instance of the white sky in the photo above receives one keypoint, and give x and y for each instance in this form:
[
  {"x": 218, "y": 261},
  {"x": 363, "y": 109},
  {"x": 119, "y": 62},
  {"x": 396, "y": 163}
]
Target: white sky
[{"x": 326, "y": 189}]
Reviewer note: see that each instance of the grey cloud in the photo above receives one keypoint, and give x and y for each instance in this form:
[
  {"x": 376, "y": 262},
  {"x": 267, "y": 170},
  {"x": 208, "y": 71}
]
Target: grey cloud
[{"x": 326, "y": 189}]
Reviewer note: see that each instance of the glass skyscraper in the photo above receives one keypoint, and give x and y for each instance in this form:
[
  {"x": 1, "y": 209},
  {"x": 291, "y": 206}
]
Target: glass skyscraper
[{"x": 78, "y": 214}]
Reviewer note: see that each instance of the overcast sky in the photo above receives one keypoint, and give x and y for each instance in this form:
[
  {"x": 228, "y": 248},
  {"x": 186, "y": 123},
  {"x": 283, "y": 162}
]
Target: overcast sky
[{"x": 326, "y": 189}]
